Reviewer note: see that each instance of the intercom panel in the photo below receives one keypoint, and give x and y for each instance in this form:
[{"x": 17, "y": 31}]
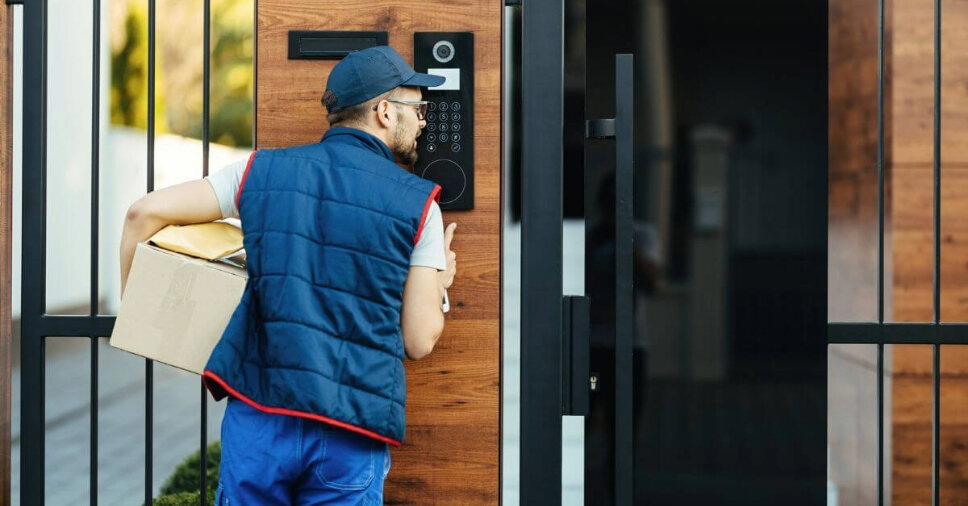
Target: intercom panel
[{"x": 446, "y": 148}]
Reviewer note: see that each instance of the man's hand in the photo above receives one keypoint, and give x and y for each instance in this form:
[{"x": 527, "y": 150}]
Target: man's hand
[
  {"x": 182, "y": 204},
  {"x": 446, "y": 277}
]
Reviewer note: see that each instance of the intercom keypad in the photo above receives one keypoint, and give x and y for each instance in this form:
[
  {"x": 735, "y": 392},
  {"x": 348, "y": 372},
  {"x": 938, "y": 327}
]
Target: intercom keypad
[{"x": 445, "y": 150}]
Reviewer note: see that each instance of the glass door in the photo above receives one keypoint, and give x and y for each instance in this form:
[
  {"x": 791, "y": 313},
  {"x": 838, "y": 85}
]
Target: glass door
[
  {"x": 717, "y": 314},
  {"x": 685, "y": 203}
]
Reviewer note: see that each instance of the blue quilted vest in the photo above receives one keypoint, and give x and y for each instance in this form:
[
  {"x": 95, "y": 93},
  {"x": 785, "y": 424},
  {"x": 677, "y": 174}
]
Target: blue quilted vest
[{"x": 328, "y": 232}]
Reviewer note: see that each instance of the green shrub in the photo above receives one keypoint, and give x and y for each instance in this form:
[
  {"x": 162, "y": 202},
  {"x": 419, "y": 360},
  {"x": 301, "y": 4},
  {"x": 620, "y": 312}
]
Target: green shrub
[
  {"x": 181, "y": 488},
  {"x": 181, "y": 499}
]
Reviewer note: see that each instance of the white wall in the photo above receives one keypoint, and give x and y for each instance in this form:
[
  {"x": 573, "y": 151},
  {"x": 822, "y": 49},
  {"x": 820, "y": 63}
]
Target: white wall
[{"x": 123, "y": 164}]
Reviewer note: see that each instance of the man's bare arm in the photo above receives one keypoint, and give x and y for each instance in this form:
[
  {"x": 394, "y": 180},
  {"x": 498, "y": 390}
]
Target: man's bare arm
[
  {"x": 182, "y": 204},
  {"x": 422, "y": 319}
]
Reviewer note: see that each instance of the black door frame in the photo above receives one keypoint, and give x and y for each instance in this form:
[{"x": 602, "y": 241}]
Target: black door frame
[
  {"x": 551, "y": 382},
  {"x": 542, "y": 117}
]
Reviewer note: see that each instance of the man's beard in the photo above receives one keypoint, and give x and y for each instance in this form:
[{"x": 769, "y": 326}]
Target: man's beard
[{"x": 404, "y": 148}]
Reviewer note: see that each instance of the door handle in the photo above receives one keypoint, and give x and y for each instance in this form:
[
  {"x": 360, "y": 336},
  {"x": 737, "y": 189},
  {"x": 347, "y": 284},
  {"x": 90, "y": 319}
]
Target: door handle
[
  {"x": 620, "y": 128},
  {"x": 624, "y": 311}
]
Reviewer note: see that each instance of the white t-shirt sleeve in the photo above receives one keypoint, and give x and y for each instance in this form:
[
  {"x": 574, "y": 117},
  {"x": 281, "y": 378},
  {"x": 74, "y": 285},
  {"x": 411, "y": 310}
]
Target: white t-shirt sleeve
[
  {"x": 226, "y": 183},
  {"x": 429, "y": 251}
]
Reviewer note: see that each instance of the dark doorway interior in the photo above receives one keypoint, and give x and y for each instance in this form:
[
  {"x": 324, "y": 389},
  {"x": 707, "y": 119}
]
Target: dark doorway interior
[{"x": 730, "y": 252}]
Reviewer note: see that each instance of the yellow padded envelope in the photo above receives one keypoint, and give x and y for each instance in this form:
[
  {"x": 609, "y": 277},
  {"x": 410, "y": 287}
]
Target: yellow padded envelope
[{"x": 210, "y": 241}]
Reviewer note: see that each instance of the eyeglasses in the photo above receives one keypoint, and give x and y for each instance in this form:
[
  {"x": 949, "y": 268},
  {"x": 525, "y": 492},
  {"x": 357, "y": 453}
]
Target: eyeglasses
[{"x": 421, "y": 106}]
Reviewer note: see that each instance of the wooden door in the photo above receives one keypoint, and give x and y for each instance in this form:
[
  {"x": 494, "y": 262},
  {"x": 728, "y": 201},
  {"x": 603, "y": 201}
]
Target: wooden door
[{"x": 451, "y": 451}]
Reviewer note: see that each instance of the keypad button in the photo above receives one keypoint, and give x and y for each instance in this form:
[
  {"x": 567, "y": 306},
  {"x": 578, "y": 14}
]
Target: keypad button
[
  {"x": 455, "y": 137},
  {"x": 455, "y": 106},
  {"x": 431, "y": 148},
  {"x": 455, "y": 127},
  {"x": 443, "y": 106},
  {"x": 432, "y": 106},
  {"x": 431, "y": 137},
  {"x": 455, "y": 116},
  {"x": 431, "y": 116},
  {"x": 431, "y": 126},
  {"x": 444, "y": 138},
  {"x": 444, "y": 116},
  {"x": 455, "y": 147},
  {"x": 444, "y": 127}
]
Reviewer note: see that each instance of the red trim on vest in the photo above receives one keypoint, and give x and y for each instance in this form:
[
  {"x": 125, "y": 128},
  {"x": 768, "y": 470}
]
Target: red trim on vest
[
  {"x": 301, "y": 414},
  {"x": 245, "y": 174},
  {"x": 434, "y": 197}
]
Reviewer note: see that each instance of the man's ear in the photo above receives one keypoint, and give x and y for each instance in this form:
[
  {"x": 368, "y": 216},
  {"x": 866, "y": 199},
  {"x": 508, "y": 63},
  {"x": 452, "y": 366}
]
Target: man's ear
[{"x": 383, "y": 114}]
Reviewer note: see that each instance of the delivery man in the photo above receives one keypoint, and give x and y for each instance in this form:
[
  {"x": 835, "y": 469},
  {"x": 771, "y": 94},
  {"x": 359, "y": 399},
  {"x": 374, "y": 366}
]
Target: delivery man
[{"x": 348, "y": 264}]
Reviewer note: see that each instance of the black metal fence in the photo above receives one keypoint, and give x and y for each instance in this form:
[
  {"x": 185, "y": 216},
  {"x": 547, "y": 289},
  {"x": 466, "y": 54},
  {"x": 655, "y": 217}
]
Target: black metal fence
[
  {"x": 37, "y": 325},
  {"x": 880, "y": 333}
]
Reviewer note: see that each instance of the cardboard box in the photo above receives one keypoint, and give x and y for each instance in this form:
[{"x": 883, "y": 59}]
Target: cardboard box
[{"x": 175, "y": 306}]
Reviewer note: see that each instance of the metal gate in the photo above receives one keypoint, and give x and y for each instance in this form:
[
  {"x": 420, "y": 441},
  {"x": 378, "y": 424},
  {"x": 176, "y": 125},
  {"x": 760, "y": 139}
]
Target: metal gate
[
  {"x": 936, "y": 333},
  {"x": 37, "y": 325},
  {"x": 541, "y": 111}
]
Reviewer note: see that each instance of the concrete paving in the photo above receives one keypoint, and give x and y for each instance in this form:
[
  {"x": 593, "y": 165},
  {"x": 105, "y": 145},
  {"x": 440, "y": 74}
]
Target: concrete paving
[{"x": 121, "y": 424}]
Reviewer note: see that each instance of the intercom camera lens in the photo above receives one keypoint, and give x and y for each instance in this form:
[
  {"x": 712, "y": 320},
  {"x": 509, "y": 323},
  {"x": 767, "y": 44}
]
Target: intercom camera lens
[{"x": 443, "y": 51}]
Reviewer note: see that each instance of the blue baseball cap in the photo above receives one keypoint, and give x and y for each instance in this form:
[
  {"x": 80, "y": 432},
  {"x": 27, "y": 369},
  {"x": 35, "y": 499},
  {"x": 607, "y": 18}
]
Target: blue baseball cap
[{"x": 369, "y": 72}]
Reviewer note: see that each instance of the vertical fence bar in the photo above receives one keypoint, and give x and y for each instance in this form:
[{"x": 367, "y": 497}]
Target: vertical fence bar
[
  {"x": 880, "y": 424},
  {"x": 33, "y": 266},
  {"x": 206, "y": 83},
  {"x": 206, "y": 103},
  {"x": 149, "y": 365},
  {"x": 880, "y": 249},
  {"x": 935, "y": 423},
  {"x": 94, "y": 419},
  {"x": 95, "y": 199},
  {"x": 542, "y": 99},
  {"x": 936, "y": 365}
]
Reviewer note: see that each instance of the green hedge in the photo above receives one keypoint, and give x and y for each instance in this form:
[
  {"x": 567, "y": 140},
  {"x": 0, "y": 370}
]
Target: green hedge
[{"x": 181, "y": 488}]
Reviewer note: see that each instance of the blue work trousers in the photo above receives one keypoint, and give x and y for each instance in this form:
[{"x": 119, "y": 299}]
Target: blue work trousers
[{"x": 270, "y": 460}]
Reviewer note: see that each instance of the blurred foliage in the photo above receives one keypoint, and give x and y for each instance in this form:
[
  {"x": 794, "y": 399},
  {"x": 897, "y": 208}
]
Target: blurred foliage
[
  {"x": 182, "y": 487},
  {"x": 179, "y": 68},
  {"x": 129, "y": 74}
]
